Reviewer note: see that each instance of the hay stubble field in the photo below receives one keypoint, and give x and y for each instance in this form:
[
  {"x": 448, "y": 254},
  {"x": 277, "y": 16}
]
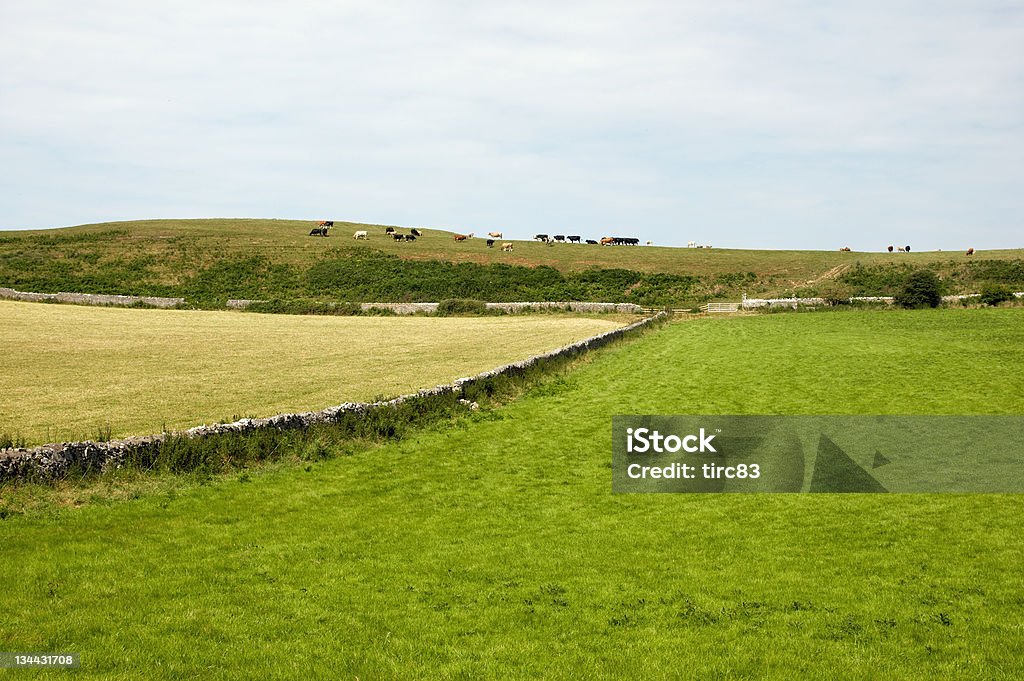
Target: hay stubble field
[{"x": 74, "y": 372}]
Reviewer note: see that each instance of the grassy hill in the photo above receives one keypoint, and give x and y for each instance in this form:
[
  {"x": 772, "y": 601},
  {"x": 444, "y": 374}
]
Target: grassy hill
[{"x": 209, "y": 261}]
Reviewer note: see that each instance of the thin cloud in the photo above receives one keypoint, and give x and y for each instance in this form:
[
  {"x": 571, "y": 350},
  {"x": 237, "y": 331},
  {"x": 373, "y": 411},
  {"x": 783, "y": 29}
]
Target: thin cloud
[{"x": 779, "y": 124}]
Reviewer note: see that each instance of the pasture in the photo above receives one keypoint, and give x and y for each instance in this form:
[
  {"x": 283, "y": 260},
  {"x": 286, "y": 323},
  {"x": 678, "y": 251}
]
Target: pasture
[
  {"x": 74, "y": 372},
  {"x": 216, "y": 259},
  {"x": 492, "y": 546}
]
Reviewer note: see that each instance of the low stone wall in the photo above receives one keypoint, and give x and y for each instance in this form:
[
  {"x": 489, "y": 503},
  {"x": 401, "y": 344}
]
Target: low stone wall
[
  {"x": 413, "y": 308},
  {"x": 793, "y": 302},
  {"x": 54, "y": 460},
  {"x": 90, "y": 298},
  {"x": 401, "y": 308},
  {"x": 572, "y": 306}
]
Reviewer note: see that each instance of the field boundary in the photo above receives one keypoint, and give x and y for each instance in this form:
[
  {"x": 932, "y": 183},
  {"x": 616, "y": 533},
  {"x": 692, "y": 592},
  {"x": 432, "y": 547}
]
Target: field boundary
[
  {"x": 55, "y": 460},
  {"x": 89, "y": 298},
  {"x": 241, "y": 304},
  {"x": 749, "y": 303}
]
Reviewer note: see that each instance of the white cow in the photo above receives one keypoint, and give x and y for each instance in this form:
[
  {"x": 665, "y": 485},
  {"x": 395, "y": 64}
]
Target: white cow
[
  {"x": 506, "y": 247},
  {"x": 496, "y": 235},
  {"x": 361, "y": 234}
]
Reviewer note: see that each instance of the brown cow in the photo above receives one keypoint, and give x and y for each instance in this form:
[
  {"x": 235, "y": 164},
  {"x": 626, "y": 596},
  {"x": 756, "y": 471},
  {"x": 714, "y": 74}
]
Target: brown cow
[
  {"x": 607, "y": 241},
  {"x": 460, "y": 237},
  {"x": 970, "y": 251}
]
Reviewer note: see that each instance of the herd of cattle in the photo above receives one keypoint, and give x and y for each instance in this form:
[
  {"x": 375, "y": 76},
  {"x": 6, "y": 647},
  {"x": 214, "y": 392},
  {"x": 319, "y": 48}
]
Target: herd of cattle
[
  {"x": 324, "y": 225},
  {"x": 574, "y": 239},
  {"x": 900, "y": 249}
]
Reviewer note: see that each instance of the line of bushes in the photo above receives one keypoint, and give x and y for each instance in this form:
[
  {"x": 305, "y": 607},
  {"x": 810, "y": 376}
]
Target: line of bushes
[{"x": 358, "y": 277}]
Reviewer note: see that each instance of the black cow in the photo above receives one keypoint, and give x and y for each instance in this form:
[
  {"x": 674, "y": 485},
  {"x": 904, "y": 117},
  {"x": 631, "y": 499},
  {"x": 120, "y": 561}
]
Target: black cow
[
  {"x": 389, "y": 230},
  {"x": 560, "y": 238},
  {"x": 416, "y": 232},
  {"x": 540, "y": 237},
  {"x": 907, "y": 249},
  {"x": 397, "y": 237},
  {"x": 573, "y": 239},
  {"x": 318, "y": 231},
  {"x": 410, "y": 237},
  {"x": 591, "y": 242},
  {"x": 490, "y": 243}
]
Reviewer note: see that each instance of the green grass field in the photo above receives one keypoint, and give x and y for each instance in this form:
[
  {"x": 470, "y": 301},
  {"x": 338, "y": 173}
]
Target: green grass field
[
  {"x": 72, "y": 372},
  {"x": 493, "y": 547},
  {"x": 212, "y": 260}
]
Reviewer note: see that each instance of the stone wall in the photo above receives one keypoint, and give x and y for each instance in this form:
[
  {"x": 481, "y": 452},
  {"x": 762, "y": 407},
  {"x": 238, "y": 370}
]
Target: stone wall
[
  {"x": 90, "y": 298},
  {"x": 413, "y": 308},
  {"x": 54, "y": 460},
  {"x": 793, "y": 302}
]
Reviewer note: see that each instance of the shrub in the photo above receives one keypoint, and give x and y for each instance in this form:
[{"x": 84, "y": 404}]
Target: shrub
[
  {"x": 835, "y": 293},
  {"x": 921, "y": 288},
  {"x": 460, "y": 306},
  {"x": 993, "y": 294}
]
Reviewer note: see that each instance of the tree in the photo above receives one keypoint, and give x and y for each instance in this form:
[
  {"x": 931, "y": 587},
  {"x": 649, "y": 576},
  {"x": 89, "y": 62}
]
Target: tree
[{"x": 921, "y": 288}]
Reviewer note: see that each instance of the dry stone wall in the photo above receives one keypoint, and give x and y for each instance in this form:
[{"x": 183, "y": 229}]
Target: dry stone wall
[
  {"x": 55, "y": 460},
  {"x": 90, "y": 298}
]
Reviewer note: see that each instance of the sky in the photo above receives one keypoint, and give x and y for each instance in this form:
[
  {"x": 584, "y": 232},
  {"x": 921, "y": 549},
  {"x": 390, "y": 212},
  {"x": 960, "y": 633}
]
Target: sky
[{"x": 754, "y": 124}]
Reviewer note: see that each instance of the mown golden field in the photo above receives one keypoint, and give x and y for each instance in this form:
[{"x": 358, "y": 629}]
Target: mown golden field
[{"x": 75, "y": 372}]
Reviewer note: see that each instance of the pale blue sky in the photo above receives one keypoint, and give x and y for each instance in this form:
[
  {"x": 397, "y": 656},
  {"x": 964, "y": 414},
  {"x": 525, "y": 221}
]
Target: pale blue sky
[{"x": 740, "y": 124}]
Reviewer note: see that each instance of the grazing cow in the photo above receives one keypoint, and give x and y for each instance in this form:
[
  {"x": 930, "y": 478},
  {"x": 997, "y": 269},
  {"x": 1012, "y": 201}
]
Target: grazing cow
[
  {"x": 506, "y": 247},
  {"x": 541, "y": 237},
  {"x": 325, "y": 223},
  {"x": 607, "y": 241},
  {"x": 389, "y": 230},
  {"x": 890, "y": 248},
  {"x": 490, "y": 243},
  {"x": 416, "y": 232},
  {"x": 560, "y": 238},
  {"x": 573, "y": 239},
  {"x": 496, "y": 235},
  {"x": 460, "y": 237},
  {"x": 970, "y": 251},
  {"x": 410, "y": 237},
  {"x": 318, "y": 231},
  {"x": 591, "y": 242},
  {"x": 361, "y": 234},
  {"x": 397, "y": 236},
  {"x": 845, "y": 249}
]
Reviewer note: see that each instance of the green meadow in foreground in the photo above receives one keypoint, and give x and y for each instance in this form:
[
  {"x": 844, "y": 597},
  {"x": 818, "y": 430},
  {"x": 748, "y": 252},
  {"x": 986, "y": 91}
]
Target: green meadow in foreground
[
  {"x": 73, "y": 372},
  {"x": 492, "y": 546}
]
